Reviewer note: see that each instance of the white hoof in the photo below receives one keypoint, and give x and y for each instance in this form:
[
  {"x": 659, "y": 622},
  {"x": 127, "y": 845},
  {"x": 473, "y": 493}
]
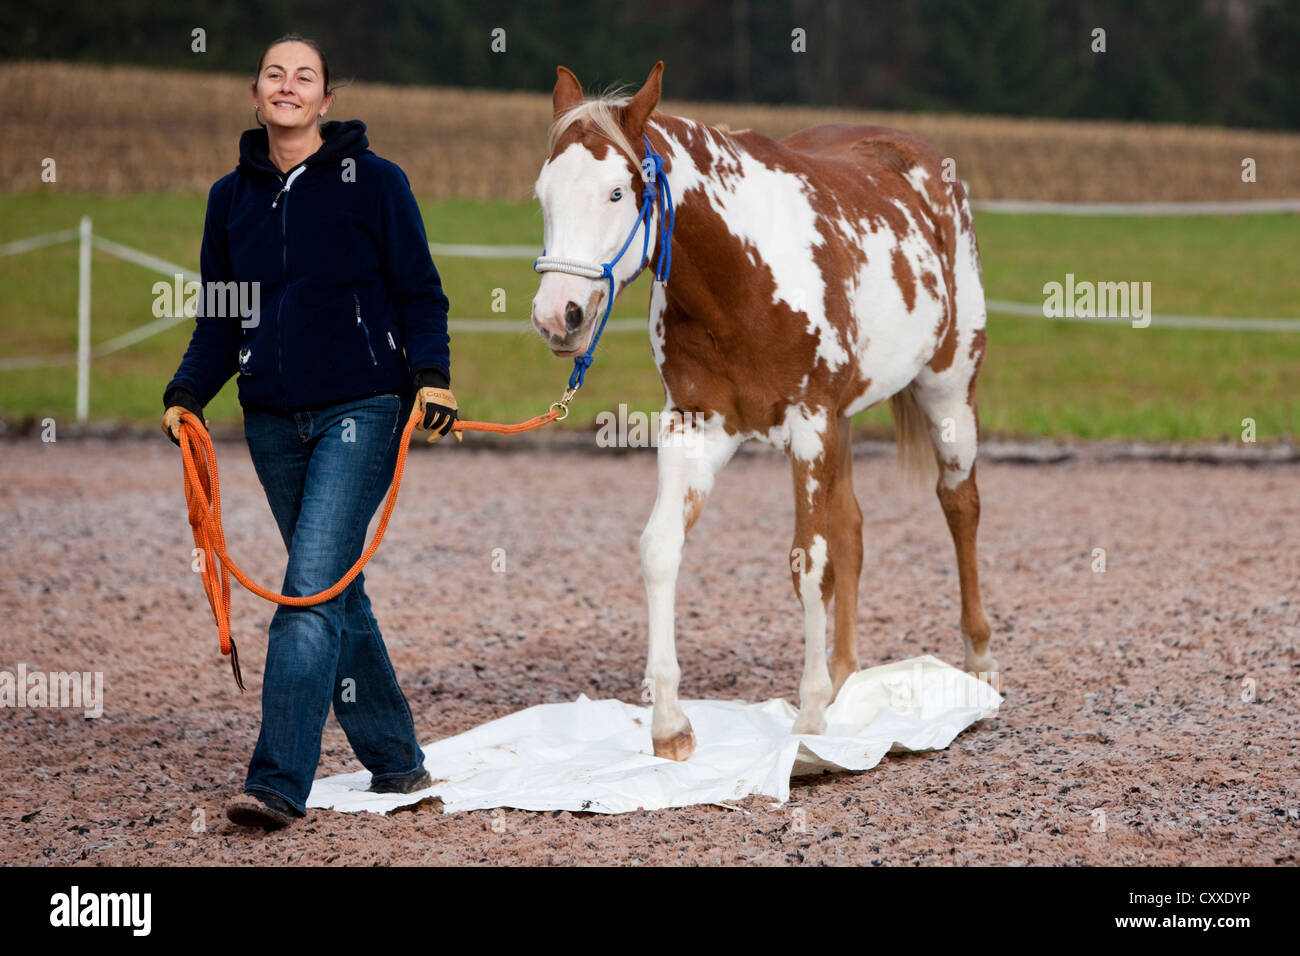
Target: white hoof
[{"x": 984, "y": 666}]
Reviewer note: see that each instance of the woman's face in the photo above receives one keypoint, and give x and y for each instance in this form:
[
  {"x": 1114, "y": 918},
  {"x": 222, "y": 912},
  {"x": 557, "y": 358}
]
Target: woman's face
[{"x": 290, "y": 90}]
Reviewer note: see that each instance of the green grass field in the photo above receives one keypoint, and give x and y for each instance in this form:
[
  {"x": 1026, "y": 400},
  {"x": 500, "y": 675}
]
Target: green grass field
[{"x": 1040, "y": 377}]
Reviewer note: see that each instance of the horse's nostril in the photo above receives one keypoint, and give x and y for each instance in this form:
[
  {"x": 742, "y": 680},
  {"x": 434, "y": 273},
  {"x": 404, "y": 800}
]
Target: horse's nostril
[{"x": 572, "y": 316}]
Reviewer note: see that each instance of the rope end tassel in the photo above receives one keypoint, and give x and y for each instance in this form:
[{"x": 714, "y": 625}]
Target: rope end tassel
[{"x": 234, "y": 666}]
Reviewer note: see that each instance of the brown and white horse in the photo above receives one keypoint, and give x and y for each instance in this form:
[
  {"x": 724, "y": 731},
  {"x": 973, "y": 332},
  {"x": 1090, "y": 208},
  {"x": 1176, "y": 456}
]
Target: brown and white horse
[{"x": 812, "y": 277}]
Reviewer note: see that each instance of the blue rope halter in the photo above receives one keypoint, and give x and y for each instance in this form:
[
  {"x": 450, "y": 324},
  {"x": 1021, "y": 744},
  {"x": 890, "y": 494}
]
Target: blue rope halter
[{"x": 655, "y": 194}]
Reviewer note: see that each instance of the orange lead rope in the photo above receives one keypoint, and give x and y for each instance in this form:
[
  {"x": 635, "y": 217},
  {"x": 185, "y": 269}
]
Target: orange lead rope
[{"x": 203, "y": 498}]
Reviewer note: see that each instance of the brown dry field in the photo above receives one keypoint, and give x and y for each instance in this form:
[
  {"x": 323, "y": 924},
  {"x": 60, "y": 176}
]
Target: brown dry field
[
  {"x": 1160, "y": 693},
  {"x": 131, "y": 129}
]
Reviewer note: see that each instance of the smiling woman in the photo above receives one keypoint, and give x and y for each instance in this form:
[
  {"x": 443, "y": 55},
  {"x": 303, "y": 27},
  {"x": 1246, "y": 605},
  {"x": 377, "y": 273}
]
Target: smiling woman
[{"x": 351, "y": 331}]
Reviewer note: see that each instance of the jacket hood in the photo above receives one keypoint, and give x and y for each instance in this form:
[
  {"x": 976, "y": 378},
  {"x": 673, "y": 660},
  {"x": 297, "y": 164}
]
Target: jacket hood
[{"x": 341, "y": 140}]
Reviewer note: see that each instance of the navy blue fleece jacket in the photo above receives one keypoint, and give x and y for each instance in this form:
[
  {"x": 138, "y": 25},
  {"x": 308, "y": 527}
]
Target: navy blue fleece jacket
[{"x": 350, "y": 302}]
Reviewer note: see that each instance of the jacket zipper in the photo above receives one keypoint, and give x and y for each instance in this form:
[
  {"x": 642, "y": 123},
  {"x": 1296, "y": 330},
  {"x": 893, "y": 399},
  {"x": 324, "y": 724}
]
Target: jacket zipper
[
  {"x": 284, "y": 266},
  {"x": 365, "y": 331}
]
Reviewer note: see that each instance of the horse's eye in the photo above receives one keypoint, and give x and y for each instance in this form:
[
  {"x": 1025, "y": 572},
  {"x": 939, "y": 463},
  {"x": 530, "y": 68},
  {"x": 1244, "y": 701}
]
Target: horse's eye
[{"x": 616, "y": 195}]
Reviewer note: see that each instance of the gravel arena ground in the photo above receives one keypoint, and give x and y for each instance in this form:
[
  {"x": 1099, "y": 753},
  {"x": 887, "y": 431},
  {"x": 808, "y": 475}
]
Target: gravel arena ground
[{"x": 1151, "y": 714}]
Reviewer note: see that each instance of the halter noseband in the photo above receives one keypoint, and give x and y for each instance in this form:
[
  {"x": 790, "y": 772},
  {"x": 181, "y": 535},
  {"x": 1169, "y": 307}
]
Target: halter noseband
[{"x": 654, "y": 194}]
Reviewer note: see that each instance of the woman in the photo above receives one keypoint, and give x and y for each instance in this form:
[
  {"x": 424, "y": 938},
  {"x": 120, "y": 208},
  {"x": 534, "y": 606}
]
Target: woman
[{"x": 350, "y": 329}]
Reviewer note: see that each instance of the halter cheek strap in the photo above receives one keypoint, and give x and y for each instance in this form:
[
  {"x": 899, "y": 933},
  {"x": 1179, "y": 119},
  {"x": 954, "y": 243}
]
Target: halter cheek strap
[{"x": 654, "y": 195}]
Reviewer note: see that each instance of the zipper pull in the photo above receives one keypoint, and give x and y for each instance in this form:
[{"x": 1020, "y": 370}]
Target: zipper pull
[{"x": 288, "y": 183}]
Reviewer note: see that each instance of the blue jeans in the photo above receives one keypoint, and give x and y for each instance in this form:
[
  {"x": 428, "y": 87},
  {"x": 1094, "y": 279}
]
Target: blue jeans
[{"x": 325, "y": 473}]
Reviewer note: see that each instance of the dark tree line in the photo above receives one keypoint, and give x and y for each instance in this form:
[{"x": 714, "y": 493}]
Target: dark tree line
[{"x": 1229, "y": 62}]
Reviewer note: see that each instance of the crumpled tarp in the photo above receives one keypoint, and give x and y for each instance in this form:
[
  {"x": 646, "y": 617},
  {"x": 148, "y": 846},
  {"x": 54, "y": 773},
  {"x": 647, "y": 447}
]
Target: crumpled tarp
[{"x": 596, "y": 755}]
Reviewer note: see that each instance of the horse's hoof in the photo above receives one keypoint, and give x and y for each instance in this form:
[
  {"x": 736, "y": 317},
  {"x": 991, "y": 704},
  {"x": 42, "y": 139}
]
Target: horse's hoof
[
  {"x": 677, "y": 747},
  {"x": 994, "y": 678}
]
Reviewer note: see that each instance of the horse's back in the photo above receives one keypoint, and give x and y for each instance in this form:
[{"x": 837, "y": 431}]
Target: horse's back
[
  {"x": 894, "y": 166},
  {"x": 893, "y": 149}
]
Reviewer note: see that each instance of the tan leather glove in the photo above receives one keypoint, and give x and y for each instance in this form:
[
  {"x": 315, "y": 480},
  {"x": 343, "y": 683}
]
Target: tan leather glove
[
  {"x": 171, "y": 423},
  {"x": 437, "y": 408}
]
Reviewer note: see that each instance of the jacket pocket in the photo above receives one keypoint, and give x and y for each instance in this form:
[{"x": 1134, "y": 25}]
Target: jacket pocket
[{"x": 365, "y": 330}]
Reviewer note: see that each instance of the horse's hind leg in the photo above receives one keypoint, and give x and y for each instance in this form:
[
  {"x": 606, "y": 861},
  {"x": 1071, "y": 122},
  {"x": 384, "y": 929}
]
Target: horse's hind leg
[
  {"x": 948, "y": 405},
  {"x": 811, "y": 560},
  {"x": 846, "y": 559}
]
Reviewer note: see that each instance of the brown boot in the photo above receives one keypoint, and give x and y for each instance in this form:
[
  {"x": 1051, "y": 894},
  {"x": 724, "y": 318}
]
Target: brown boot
[
  {"x": 264, "y": 810},
  {"x": 418, "y": 780}
]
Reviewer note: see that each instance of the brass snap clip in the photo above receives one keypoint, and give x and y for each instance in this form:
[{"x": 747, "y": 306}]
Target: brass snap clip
[{"x": 563, "y": 404}]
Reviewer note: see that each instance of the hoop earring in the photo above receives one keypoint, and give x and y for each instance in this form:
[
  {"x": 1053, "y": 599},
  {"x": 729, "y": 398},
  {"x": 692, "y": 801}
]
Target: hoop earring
[{"x": 257, "y": 115}]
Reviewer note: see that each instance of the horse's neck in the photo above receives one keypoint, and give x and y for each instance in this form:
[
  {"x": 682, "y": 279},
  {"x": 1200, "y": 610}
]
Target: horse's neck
[{"x": 686, "y": 137}]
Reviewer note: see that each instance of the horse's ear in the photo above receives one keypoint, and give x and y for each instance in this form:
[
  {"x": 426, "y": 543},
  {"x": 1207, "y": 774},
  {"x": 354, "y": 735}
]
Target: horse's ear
[
  {"x": 645, "y": 101},
  {"x": 568, "y": 91}
]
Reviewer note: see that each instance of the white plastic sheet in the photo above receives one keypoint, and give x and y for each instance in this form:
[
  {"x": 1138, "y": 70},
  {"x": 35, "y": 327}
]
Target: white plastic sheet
[{"x": 596, "y": 755}]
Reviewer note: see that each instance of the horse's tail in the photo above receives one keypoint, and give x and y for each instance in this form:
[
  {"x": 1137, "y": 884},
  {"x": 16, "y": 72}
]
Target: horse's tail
[{"x": 912, "y": 434}]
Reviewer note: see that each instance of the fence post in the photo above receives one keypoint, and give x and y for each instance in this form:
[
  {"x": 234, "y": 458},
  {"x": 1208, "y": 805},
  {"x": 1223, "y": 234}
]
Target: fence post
[{"x": 83, "y": 324}]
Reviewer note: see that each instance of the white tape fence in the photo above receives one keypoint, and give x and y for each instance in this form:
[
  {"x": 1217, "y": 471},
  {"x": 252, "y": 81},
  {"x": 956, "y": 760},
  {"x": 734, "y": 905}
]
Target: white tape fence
[{"x": 87, "y": 240}]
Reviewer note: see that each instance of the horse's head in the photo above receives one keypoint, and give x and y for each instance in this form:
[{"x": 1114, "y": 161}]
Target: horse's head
[{"x": 590, "y": 192}]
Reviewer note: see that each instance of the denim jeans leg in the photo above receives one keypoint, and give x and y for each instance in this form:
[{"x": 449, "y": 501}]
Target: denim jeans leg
[
  {"x": 368, "y": 702},
  {"x": 353, "y": 448},
  {"x": 280, "y": 459}
]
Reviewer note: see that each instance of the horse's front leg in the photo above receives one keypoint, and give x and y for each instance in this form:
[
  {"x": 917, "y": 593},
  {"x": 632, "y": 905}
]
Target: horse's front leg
[{"x": 691, "y": 452}]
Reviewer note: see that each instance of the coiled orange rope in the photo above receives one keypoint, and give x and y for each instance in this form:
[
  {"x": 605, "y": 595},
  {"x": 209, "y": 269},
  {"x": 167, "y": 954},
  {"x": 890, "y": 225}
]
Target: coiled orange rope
[{"x": 203, "y": 499}]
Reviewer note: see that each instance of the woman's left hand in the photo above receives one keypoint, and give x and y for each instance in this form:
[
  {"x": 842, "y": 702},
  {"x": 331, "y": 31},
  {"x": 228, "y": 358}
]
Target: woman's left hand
[{"x": 437, "y": 407}]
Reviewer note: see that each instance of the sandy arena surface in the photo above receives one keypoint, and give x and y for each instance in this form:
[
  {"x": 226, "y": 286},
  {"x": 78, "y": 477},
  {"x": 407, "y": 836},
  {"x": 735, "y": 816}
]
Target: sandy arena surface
[{"x": 1151, "y": 717}]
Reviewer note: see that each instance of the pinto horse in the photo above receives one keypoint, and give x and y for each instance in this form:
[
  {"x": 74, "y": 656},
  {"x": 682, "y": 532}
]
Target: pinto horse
[{"x": 812, "y": 277}]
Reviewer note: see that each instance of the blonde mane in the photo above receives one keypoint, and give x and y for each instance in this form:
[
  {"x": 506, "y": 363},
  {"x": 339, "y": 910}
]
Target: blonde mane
[{"x": 601, "y": 113}]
